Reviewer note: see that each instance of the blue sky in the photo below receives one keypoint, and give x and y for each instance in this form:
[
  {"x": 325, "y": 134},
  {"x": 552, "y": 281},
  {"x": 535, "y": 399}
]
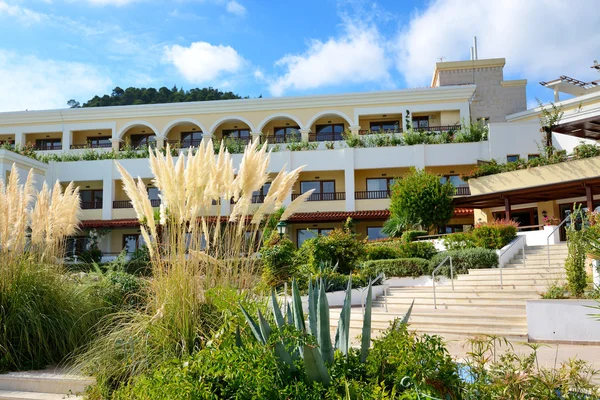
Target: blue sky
[{"x": 54, "y": 50}]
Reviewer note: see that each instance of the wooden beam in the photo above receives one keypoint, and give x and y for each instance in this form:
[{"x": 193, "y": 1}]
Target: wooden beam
[
  {"x": 507, "y": 208},
  {"x": 589, "y": 196}
]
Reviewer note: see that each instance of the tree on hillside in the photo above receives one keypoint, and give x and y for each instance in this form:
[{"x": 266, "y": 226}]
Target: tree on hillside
[
  {"x": 131, "y": 95},
  {"x": 420, "y": 198}
]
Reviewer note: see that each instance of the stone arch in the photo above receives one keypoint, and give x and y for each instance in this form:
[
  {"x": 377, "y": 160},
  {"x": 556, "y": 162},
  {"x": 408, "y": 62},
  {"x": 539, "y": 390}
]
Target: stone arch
[
  {"x": 133, "y": 124},
  {"x": 222, "y": 120},
  {"x": 180, "y": 121},
  {"x": 329, "y": 112},
  {"x": 279, "y": 115}
]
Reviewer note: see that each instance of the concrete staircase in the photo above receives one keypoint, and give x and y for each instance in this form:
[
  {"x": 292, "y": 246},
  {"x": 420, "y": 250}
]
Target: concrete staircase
[
  {"x": 49, "y": 384},
  {"x": 477, "y": 305}
]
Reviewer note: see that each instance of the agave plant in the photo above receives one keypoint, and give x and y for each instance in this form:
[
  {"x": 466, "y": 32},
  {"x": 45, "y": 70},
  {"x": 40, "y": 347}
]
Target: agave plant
[{"x": 315, "y": 358}]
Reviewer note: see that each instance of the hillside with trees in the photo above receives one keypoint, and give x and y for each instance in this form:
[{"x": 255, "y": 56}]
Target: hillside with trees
[{"x": 131, "y": 96}]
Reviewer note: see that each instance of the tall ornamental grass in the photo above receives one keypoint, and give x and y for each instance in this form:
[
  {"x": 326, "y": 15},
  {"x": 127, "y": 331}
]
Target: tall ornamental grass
[
  {"x": 43, "y": 314},
  {"x": 193, "y": 248}
]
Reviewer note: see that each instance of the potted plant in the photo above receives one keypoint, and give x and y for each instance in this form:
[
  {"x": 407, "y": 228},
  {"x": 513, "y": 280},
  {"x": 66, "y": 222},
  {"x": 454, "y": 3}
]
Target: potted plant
[{"x": 550, "y": 224}]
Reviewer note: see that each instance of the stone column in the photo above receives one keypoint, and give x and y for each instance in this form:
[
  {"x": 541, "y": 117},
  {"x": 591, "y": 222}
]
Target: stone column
[
  {"x": 349, "y": 179},
  {"x": 67, "y": 140},
  {"x": 116, "y": 144},
  {"x": 355, "y": 129},
  {"x": 207, "y": 136},
  {"x": 20, "y": 139},
  {"x": 108, "y": 190},
  {"x": 305, "y": 134},
  {"x": 160, "y": 142},
  {"x": 225, "y": 206},
  {"x": 256, "y": 136}
]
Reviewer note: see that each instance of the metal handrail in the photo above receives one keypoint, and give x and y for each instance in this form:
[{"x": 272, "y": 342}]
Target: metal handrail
[
  {"x": 568, "y": 217},
  {"x": 524, "y": 241},
  {"x": 433, "y": 277}
]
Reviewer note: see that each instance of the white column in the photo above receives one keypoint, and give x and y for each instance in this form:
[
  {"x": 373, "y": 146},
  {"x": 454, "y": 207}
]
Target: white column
[
  {"x": 116, "y": 143},
  {"x": 20, "y": 139},
  {"x": 67, "y": 139},
  {"x": 207, "y": 136},
  {"x": 160, "y": 142},
  {"x": 355, "y": 129},
  {"x": 465, "y": 113},
  {"x": 255, "y": 136},
  {"x": 225, "y": 206},
  {"x": 349, "y": 179},
  {"x": 305, "y": 134},
  {"x": 108, "y": 191}
]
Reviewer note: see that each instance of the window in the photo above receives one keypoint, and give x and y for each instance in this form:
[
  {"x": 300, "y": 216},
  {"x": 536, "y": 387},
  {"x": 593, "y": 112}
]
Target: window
[
  {"x": 455, "y": 180},
  {"x": 324, "y": 190},
  {"x": 236, "y": 133},
  {"x": 532, "y": 156},
  {"x": 144, "y": 139},
  {"x": 189, "y": 139},
  {"x": 91, "y": 199},
  {"x": 512, "y": 158},
  {"x": 385, "y": 126},
  {"x": 99, "y": 141},
  {"x": 374, "y": 232},
  {"x": 305, "y": 234},
  {"x": 132, "y": 242},
  {"x": 451, "y": 229},
  {"x": 379, "y": 184},
  {"x": 329, "y": 132},
  {"x": 153, "y": 193},
  {"x": 259, "y": 195},
  {"x": 420, "y": 122},
  {"x": 48, "y": 144},
  {"x": 282, "y": 134},
  {"x": 76, "y": 245}
]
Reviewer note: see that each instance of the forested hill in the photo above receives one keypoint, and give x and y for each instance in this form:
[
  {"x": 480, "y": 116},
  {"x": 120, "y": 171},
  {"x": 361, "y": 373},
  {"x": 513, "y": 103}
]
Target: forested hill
[{"x": 129, "y": 96}]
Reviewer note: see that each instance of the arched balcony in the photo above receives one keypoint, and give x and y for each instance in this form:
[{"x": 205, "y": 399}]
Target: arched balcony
[
  {"x": 234, "y": 129},
  {"x": 138, "y": 136},
  {"x": 184, "y": 134},
  {"x": 280, "y": 129},
  {"x": 328, "y": 126}
]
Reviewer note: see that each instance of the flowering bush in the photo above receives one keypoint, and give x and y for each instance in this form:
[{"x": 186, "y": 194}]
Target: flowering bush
[
  {"x": 551, "y": 221},
  {"x": 495, "y": 234}
]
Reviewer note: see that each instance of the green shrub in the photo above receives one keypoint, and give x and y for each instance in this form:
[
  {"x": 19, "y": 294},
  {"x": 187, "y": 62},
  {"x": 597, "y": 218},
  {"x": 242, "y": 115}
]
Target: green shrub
[
  {"x": 459, "y": 240},
  {"x": 424, "y": 250},
  {"x": 381, "y": 252},
  {"x": 585, "y": 150},
  {"x": 423, "y": 359},
  {"x": 399, "y": 267},
  {"x": 339, "y": 247},
  {"x": 463, "y": 260},
  {"x": 495, "y": 234},
  {"x": 555, "y": 291},
  {"x": 114, "y": 287},
  {"x": 409, "y": 236},
  {"x": 278, "y": 261},
  {"x": 575, "y": 263}
]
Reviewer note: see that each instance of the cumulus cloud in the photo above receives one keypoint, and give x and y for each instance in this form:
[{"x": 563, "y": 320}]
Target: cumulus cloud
[
  {"x": 23, "y": 15},
  {"x": 235, "y": 8},
  {"x": 357, "y": 56},
  {"x": 203, "y": 62},
  {"x": 538, "y": 38},
  {"x": 36, "y": 84}
]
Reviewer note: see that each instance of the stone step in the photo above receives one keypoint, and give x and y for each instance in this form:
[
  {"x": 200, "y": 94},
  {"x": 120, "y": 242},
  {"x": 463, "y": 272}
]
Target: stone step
[
  {"x": 444, "y": 317},
  {"x": 495, "y": 286},
  {"x": 445, "y": 332},
  {"x": 507, "y": 277},
  {"x": 461, "y": 293},
  {"x": 18, "y": 395},
  {"x": 518, "y": 263},
  {"x": 44, "y": 381},
  {"x": 543, "y": 256},
  {"x": 518, "y": 270},
  {"x": 422, "y": 301}
]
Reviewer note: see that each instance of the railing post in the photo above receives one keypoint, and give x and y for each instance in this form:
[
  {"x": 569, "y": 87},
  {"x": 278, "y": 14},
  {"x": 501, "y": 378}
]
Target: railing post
[
  {"x": 451, "y": 273},
  {"x": 434, "y": 298},
  {"x": 524, "y": 245}
]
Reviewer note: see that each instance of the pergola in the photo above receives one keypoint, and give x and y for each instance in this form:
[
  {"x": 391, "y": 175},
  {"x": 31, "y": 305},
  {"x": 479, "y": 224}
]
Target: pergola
[
  {"x": 554, "y": 191},
  {"x": 588, "y": 128}
]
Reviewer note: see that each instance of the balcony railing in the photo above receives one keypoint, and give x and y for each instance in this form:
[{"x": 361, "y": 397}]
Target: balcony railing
[
  {"x": 379, "y": 132},
  {"x": 185, "y": 144},
  {"x": 323, "y": 196},
  {"x": 463, "y": 191},
  {"x": 372, "y": 194},
  {"x": 46, "y": 147},
  {"x": 325, "y": 137},
  {"x": 91, "y": 146},
  {"x": 91, "y": 205},
  {"x": 439, "y": 128},
  {"x": 127, "y": 203},
  {"x": 256, "y": 199},
  {"x": 281, "y": 138}
]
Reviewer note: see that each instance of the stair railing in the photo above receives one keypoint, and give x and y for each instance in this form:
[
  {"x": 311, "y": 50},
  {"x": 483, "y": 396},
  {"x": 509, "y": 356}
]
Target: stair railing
[
  {"x": 567, "y": 218},
  {"x": 523, "y": 243},
  {"x": 433, "y": 277}
]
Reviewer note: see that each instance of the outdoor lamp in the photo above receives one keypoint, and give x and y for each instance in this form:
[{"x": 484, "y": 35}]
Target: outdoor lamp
[
  {"x": 544, "y": 213},
  {"x": 281, "y": 228}
]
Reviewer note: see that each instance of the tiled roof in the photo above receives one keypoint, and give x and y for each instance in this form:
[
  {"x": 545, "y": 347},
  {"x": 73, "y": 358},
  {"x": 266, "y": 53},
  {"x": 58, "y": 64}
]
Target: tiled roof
[
  {"x": 109, "y": 223},
  {"x": 460, "y": 212}
]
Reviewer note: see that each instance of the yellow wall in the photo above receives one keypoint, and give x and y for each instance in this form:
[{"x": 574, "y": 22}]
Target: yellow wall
[
  {"x": 218, "y": 134},
  {"x": 361, "y": 175},
  {"x": 451, "y": 170},
  {"x": 7, "y": 137},
  {"x": 269, "y": 129},
  {"x": 365, "y": 121},
  {"x": 372, "y": 204},
  {"x": 136, "y": 130},
  {"x": 293, "y": 228},
  {"x": 175, "y": 132},
  {"x": 337, "y": 176},
  {"x": 326, "y": 120},
  {"x": 91, "y": 214},
  {"x": 361, "y": 227},
  {"x": 116, "y": 238},
  {"x": 449, "y": 118},
  {"x": 81, "y": 137}
]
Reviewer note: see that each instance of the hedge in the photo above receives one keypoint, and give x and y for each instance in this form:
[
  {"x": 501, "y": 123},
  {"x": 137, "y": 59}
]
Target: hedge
[
  {"x": 465, "y": 259},
  {"x": 409, "y": 236},
  {"x": 400, "y": 249},
  {"x": 399, "y": 267}
]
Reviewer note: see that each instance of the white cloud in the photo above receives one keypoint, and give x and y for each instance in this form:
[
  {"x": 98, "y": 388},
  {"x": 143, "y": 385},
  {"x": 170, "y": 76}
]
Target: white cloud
[
  {"x": 235, "y": 8},
  {"x": 36, "y": 84},
  {"x": 358, "y": 56},
  {"x": 22, "y": 15},
  {"x": 540, "y": 39},
  {"x": 203, "y": 62}
]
